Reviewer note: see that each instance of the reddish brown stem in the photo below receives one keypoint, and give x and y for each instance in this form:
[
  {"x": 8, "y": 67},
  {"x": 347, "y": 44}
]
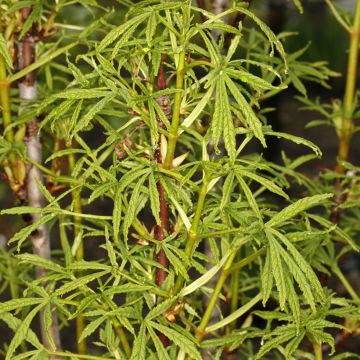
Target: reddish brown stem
[{"x": 162, "y": 229}]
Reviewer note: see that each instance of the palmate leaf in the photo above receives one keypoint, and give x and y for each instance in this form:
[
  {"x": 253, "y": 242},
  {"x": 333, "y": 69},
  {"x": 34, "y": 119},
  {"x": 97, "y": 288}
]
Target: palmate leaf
[
  {"x": 274, "y": 41},
  {"x": 48, "y": 321},
  {"x": 250, "y": 197},
  {"x": 176, "y": 263},
  {"x": 184, "y": 343},
  {"x": 85, "y": 120},
  {"x": 80, "y": 282},
  {"x": 117, "y": 33},
  {"x": 270, "y": 185},
  {"x": 131, "y": 176},
  {"x": 117, "y": 213},
  {"x": 18, "y": 304},
  {"x": 4, "y": 52},
  {"x": 296, "y": 208},
  {"x": 213, "y": 49},
  {"x": 160, "y": 308},
  {"x": 24, "y": 233},
  {"x": 249, "y": 115},
  {"x": 153, "y": 122},
  {"x": 303, "y": 265},
  {"x": 154, "y": 198},
  {"x": 217, "y": 122},
  {"x": 13, "y": 323},
  {"x": 162, "y": 354},
  {"x": 151, "y": 28},
  {"x": 254, "y": 81},
  {"x": 41, "y": 262},
  {"x": 303, "y": 277},
  {"x": 294, "y": 344},
  {"x": 228, "y": 123},
  {"x": 277, "y": 270},
  {"x": 139, "y": 347},
  {"x": 288, "y": 333},
  {"x": 266, "y": 279},
  {"x": 293, "y": 300},
  {"x": 143, "y": 6},
  {"x": 22, "y": 331},
  {"x": 91, "y": 327},
  {"x": 131, "y": 208},
  {"x": 227, "y": 189}
]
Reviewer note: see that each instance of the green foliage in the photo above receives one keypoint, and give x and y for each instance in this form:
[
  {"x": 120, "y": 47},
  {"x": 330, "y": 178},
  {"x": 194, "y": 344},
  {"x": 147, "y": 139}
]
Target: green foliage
[{"x": 117, "y": 125}]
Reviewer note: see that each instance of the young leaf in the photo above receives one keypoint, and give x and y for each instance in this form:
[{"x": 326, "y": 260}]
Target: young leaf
[
  {"x": 162, "y": 354},
  {"x": 296, "y": 208},
  {"x": 91, "y": 327},
  {"x": 117, "y": 213},
  {"x": 139, "y": 347},
  {"x": 22, "y": 331},
  {"x": 4, "y": 52},
  {"x": 154, "y": 198},
  {"x": 278, "y": 271},
  {"x": 180, "y": 340},
  {"x": 131, "y": 209}
]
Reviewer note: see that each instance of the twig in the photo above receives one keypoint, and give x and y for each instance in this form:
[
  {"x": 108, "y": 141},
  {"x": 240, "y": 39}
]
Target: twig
[
  {"x": 162, "y": 229},
  {"x": 80, "y": 320}
]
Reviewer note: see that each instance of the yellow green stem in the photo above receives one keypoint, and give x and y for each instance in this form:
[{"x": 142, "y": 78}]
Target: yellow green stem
[
  {"x": 5, "y": 102},
  {"x": 318, "y": 351},
  {"x": 200, "y": 331},
  {"x": 5, "y": 105},
  {"x": 347, "y": 125},
  {"x": 122, "y": 336},
  {"x": 175, "y": 121},
  {"x": 240, "y": 264},
  {"x": 346, "y": 283},
  {"x": 80, "y": 320},
  {"x": 234, "y": 294}
]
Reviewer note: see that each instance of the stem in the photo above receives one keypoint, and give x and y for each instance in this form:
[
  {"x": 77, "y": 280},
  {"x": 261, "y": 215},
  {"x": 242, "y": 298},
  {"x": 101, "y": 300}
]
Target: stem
[
  {"x": 220, "y": 232},
  {"x": 162, "y": 229},
  {"x": 4, "y": 100},
  {"x": 173, "y": 133},
  {"x": 5, "y": 106},
  {"x": 317, "y": 351},
  {"x": 13, "y": 278},
  {"x": 234, "y": 294},
  {"x": 72, "y": 355},
  {"x": 239, "y": 265},
  {"x": 80, "y": 320},
  {"x": 200, "y": 331},
  {"x": 40, "y": 237},
  {"x": 346, "y": 283},
  {"x": 122, "y": 336},
  {"x": 192, "y": 235},
  {"x": 160, "y": 234},
  {"x": 347, "y": 126}
]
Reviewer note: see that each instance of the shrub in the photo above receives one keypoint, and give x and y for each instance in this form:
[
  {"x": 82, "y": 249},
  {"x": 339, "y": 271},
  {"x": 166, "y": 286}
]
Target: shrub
[{"x": 170, "y": 236}]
